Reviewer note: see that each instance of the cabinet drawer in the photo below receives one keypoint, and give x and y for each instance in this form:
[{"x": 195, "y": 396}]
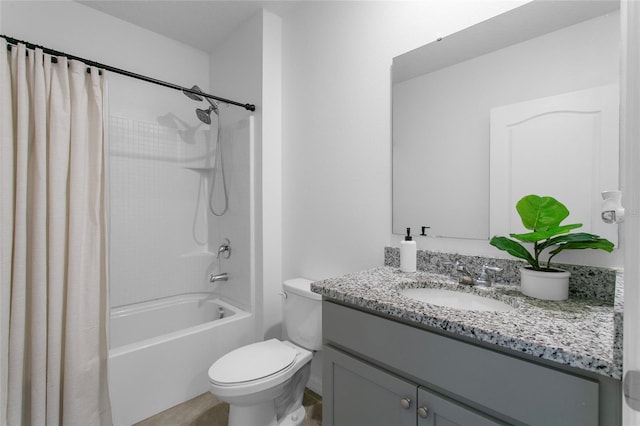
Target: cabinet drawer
[{"x": 521, "y": 390}]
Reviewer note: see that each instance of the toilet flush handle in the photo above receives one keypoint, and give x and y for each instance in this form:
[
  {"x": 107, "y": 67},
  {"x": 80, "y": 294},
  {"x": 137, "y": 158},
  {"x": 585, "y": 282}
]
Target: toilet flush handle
[{"x": 283, "y": 294}]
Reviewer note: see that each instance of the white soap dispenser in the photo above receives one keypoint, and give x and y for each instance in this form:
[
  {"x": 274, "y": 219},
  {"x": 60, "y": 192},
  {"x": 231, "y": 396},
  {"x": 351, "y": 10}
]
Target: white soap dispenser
[{"x": 408, "y": 253}]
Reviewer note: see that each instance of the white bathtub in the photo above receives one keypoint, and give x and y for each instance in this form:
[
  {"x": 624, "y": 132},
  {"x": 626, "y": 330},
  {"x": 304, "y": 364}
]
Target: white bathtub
[{"x": 160, "y": 351}]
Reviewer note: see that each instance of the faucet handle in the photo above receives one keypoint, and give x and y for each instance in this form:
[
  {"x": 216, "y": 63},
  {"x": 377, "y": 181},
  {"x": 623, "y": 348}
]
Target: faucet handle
[
  {"x": 484, "y": 280},
  {"x": 225, "y": 248},
  {"x": 461, "y": 268},
  {"x": 465, "y": 276}
]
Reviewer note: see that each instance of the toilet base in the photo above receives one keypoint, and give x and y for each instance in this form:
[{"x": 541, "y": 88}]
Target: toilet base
[
  {"x": 264, "y": 401},
  {"x": 263, "y": 415},
  {"x": 253, "y": 415},
  {"x": 295, "y": 418}
]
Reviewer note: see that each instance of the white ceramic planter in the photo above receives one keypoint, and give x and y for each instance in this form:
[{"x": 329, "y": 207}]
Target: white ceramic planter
[{"x": 545, "y": 285}]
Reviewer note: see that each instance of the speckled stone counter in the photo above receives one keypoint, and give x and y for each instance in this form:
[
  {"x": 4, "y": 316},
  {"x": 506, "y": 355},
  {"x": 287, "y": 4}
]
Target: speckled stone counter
[
  {"x": 582, "y": 333},
  {"x": 586, "y": 282}
]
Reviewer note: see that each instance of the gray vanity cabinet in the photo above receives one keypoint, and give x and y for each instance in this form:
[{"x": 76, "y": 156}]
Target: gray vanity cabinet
[
  {"x": 362, "y": 394},
  {"x": 379, "y": 371}
]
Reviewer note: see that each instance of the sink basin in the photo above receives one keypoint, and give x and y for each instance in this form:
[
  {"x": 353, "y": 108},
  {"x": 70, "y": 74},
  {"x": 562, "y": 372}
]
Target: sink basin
[{"x": 455, "y": 299}]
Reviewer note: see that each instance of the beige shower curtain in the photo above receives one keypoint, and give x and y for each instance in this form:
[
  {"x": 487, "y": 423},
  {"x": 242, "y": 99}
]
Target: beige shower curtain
[{"x": 53, "y": 287}]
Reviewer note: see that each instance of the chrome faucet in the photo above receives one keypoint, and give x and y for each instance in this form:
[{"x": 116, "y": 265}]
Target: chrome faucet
[
  {"x": 225, "y": 248},
  {"x": 466, "y": 277},
  {"x": 218, "y": 277},
  {"x": 484, "y": 280}
]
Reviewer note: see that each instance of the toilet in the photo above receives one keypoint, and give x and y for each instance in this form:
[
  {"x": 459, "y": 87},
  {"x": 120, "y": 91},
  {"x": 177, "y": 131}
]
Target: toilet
[{"x": 263, "y": 382}]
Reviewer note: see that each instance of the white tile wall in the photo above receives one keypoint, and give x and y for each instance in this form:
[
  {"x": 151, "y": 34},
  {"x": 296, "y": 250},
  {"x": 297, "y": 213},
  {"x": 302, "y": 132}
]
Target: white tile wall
[{"x": 159, "y": 239}]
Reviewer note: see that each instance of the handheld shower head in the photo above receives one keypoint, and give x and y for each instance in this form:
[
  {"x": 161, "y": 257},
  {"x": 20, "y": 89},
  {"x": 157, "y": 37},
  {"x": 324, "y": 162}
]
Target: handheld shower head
[
  {"x": 193, "y": 96},
  {"x": 204, "y": 115}
]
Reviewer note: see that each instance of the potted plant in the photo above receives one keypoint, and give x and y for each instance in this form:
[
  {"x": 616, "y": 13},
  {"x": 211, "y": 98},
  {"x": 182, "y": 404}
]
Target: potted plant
[{"x": 543, "y": 217}]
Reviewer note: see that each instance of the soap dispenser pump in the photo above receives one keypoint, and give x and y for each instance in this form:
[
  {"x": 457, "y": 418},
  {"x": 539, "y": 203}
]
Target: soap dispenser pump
[{"x": 408, "y": 253}]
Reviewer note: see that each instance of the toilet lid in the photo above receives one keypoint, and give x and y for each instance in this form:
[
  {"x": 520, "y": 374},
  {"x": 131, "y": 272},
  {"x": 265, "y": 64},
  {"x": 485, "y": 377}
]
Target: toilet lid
[{"x": 252, "y": 362}]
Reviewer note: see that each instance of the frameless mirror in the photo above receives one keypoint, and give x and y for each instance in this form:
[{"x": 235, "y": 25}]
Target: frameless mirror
[{"x": 444, "y": 96}]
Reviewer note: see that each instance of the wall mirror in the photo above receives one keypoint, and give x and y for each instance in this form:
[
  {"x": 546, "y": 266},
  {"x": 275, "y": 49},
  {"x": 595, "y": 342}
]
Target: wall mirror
[{"x": 446, "y": 173}]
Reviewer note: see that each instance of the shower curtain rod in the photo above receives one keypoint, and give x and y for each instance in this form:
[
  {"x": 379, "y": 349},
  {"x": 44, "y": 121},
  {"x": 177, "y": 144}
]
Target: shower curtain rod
[{"x": 13, "y": 41}]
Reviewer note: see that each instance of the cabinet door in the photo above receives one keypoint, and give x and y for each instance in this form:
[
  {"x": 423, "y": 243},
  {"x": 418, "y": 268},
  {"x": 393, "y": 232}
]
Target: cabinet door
[
  {"x": 356, "y": 393},
  {"x": 435, "y": 410}
]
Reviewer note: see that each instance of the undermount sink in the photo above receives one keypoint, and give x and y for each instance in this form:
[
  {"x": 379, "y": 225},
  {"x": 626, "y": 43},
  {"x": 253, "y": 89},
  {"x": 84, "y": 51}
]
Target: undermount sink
[{"x": 455, "y": 299}]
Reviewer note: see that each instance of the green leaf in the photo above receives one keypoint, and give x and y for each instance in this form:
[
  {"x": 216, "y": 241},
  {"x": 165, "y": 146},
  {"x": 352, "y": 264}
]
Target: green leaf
[
  {"x": 580, "y": 237},
  {"x": 599, "y": 244},
  {"x": 541, "y": 213},
  {"x": 532, "y": 237},
  {"x": 514, "y": 248}
]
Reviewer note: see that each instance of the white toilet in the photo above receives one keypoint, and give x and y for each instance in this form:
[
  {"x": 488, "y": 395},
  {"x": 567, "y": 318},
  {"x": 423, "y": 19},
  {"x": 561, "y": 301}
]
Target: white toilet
[{"x": 264, "y": 382}]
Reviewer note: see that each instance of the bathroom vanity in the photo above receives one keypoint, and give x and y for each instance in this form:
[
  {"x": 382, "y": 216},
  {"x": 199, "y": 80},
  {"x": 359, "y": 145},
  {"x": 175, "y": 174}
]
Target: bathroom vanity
[{"x": 393, "y": 360}]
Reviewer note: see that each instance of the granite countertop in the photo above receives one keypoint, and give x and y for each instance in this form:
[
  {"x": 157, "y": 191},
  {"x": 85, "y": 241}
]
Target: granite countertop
[{"x": 582, "y": 333}]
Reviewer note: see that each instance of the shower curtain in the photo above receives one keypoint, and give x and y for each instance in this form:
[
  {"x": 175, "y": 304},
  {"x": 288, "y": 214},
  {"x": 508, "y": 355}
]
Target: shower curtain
[{"x": 53, "y": 286}]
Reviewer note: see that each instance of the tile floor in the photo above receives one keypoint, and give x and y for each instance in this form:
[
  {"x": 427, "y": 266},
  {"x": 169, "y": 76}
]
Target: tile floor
[{"x": 207, "y": 410}]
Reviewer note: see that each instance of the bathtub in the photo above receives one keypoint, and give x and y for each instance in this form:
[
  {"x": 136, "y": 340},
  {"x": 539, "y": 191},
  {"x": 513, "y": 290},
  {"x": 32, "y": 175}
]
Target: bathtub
[{"x": 160, "y": 351}]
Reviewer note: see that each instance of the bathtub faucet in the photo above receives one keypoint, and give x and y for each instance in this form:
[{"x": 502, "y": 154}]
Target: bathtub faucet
[{"x": 218, "y": 277}]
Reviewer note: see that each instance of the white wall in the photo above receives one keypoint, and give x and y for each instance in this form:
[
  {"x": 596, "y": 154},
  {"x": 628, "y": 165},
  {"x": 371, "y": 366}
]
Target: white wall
[
  {"x": 247, "y": 68},
  {"x": 336, "y": 150},
  {"x": 158, "y": 233},
  {"x": 270, "y": 176}
]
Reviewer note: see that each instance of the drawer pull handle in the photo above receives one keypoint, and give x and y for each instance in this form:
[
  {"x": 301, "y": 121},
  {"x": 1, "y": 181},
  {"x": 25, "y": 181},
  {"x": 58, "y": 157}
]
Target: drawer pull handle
[
  {"x": 423, "y": 412},
  {"x": 405, "y": 403}
]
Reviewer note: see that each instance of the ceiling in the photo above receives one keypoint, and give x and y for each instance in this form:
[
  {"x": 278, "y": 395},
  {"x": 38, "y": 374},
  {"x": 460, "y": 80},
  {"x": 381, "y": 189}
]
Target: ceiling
[{"x": 200, "y": 24}]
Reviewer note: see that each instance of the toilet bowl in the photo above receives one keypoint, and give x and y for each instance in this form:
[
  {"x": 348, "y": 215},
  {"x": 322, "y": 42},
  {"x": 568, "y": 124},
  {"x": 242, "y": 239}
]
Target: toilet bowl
[{"x": 264, "y": 382}]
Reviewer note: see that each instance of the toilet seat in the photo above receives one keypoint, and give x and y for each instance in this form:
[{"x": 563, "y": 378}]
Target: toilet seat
[
  {"x": 277, "y": 373},
  {"x": 252, "y": 362}
]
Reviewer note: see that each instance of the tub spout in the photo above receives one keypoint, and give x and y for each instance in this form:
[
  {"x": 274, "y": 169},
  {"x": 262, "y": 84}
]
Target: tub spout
[{"x": 218, "y": 277}]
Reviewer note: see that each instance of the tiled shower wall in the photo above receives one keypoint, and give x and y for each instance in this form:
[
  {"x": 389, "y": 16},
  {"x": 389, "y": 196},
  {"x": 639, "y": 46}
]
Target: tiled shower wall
[
  {"x": 163, "y": 239},
  {"x": 158, "y": 223}
]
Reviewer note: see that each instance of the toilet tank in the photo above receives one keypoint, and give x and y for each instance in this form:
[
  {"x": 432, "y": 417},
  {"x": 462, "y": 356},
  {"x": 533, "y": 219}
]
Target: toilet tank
[{"x": 303, "y": 314}]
